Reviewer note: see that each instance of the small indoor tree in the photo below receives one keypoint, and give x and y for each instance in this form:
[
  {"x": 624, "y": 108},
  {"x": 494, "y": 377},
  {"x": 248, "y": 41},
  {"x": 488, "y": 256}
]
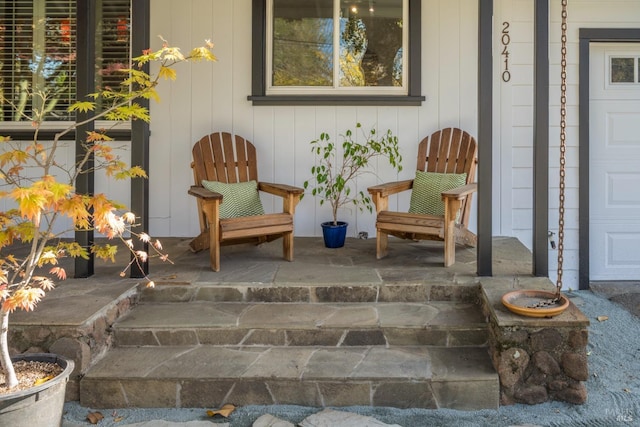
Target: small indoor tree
[{"x": 40, "y": 188}]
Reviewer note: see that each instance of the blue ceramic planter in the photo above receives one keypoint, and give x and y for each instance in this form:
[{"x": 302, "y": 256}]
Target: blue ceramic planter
[{"x": 334, "y": 235}]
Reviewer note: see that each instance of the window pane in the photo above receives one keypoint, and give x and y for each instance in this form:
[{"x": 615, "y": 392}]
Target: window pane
[
  {"x": 622, "y": 70},
  {"x": 371, "y": 43},
  {"x": 37, "y": 57},
  {"x": 302, "y": 43},
  {"x": 112, "y": 43},
  {"x": 38, "y": 54}
]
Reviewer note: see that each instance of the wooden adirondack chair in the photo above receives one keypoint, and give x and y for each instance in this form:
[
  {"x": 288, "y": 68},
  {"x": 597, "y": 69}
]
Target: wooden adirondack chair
[
  {"x": 227, "y": 158},
  {"x": 448, "y": 150}
]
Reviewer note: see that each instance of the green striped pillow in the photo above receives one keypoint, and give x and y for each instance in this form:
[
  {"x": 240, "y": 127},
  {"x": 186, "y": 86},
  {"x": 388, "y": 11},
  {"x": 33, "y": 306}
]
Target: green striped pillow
[
  {"x": 238, "y": 199},
  {"x": 427, "y": 188}
]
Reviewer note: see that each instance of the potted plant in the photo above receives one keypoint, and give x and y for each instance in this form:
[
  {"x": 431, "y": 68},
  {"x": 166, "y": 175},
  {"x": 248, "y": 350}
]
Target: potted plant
[
  {"x": 338, "y": 165},
  {"x": 39, "y": 189}
]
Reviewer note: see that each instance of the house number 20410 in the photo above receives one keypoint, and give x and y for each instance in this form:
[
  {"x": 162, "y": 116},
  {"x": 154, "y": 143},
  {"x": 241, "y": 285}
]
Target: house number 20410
[{"x": 506, "y": 39}]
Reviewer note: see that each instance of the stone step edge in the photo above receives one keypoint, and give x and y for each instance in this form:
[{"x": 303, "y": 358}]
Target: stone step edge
[
  {"x": 340, "y": 337},
  {"x": 364, "y": 362},
  {"x": 393, "y": 292},
  {"x": 301, "y": 315},
  {"x": 471, "y": 326},
  {"x": 401, "y": 377},
  {"x": 461, "y": 394},
  {"x": 222, "y": 323}
]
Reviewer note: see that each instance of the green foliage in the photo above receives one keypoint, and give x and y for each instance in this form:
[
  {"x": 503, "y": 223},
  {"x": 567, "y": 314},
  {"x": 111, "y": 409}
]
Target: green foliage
[
  {"x": 354, "y": 36},
  {"x": 334, "y": 172},
  {"x": 83, "y": 107},
  {"x": 300, "y": 53}
]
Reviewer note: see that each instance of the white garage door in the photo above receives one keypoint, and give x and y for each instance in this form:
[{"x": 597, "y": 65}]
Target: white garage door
[{"x": 614, "y": 164}]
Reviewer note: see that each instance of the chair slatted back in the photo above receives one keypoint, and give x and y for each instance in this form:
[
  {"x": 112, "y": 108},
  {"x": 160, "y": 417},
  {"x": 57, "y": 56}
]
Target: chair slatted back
[
  {"x": 226, "y": 158},
  {"x": 450, "y": 150}
]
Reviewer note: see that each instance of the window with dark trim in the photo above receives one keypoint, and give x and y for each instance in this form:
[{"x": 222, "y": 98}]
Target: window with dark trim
[
  {"x": 308, "y": 31},
  {"x": 38, "y": 55}
]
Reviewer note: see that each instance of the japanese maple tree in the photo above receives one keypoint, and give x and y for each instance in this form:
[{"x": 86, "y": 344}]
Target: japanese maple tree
[{"x": 41, "y": 189}]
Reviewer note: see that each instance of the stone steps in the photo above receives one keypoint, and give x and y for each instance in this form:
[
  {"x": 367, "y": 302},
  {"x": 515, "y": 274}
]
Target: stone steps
[
  {"x": 207, "y": 376},
  {"x": 384, "y": 345},
  {"x": 436, "y": 288},
  {"x": 436, "y": 323}
]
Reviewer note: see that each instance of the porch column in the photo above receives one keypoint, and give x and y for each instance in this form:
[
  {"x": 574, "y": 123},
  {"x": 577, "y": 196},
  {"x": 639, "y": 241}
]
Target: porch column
[
  {"x": 485, "y": 137},
  {"x": 541, "y": 141},
  {"x": 85, "y": 84},
  {"x": 140, "y": 18}
]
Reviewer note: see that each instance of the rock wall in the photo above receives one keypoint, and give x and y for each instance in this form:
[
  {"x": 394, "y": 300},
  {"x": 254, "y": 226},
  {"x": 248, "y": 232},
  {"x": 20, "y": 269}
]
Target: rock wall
[
  {"x": 537, "y": 359},
  {"x": 540, "y": 364},
  {"x": 83, "y": 343}
]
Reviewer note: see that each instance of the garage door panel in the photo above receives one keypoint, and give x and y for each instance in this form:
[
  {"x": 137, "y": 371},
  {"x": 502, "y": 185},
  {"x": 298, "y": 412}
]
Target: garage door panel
[
  {"x": 621, "y": 127},
  {"x": 614, "y": 251},
  {"x": 624, "y": 130},
  {"x": 622, "y": 249},
  {"x": 600, "y": 85},
  {"x": 623, "y": 191},
  {"x": 619, "y": 192}
]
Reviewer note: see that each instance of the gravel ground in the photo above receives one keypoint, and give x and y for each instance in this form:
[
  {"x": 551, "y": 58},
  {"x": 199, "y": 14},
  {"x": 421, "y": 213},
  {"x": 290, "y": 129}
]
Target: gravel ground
[{"x": 613, "y": 390}]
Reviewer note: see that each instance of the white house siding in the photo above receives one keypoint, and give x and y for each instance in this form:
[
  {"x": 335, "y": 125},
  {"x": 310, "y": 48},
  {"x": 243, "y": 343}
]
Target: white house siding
[
  {"x": 513, "y": 130},
  {"x": 514, "y": 134},
  {"x": 210, "y": 97}
]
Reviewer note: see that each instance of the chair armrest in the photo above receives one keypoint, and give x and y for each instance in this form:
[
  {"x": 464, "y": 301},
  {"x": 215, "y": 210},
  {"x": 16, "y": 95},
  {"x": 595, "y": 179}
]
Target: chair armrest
[
  {"x": 203, "y": 193},
  {"x": 386, "y": 189},
  {"x": 281, "y": 190},
  {"x": 290, "y": 195},
  {"x": 460, "y": 192}
]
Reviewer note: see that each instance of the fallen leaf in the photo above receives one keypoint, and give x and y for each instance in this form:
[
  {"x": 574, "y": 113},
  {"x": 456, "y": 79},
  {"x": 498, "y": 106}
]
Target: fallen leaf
[
  {"x": 602, "y": 318},
  {"x": 118, "y": 419},
  {"x": 43, "y": 380},
  {"x": 95, "y": 417},
  {"x": 225, "y": 411},
  {"x": 626, "y": 390}
]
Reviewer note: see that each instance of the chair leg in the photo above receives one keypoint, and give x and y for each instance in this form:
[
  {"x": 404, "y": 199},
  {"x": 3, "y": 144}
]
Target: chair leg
[
  {"x": 449, "y": 243},
  {"x": 210, "y": 210},
  {"x": 214, "y": 248},
  {"x": 451, "y": 207},
  {"x": 287, "y": 246},
  {"x": 382, "y": 241}
]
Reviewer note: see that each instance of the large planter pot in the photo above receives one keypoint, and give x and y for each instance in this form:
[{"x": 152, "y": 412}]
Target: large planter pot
[
  {"x": 39, "y": 406},
  {"x": 334, "y": 235}
]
